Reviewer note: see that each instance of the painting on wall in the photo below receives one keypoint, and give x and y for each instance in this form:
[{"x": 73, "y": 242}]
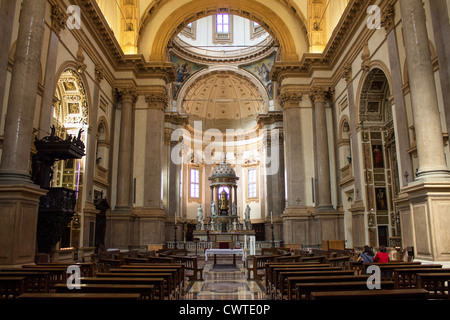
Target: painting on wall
[
  {"x": 377, "y": 152},
  {"x": 184, "y": 69},
  {"x": 381, "y": 199},
  {"x": 261, "y": 70}
]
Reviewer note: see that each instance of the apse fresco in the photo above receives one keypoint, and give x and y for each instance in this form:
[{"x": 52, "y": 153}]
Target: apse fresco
[
  {"x": 261, "y": 70},
  {"x": 184, "y": 69}
]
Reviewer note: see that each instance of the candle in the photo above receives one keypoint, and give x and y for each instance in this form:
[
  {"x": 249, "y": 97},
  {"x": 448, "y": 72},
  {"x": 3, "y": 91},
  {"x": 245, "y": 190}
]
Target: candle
[{"x": 271, "y": 221}]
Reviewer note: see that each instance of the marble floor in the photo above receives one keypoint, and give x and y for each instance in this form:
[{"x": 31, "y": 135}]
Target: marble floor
[{"x": 224, "y": 281}]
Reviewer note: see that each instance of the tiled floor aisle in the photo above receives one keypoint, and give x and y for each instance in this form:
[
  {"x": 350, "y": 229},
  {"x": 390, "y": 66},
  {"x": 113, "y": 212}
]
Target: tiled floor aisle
[{"x": 225, "y": 282}]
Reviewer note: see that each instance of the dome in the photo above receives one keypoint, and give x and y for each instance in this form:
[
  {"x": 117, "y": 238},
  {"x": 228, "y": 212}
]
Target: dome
[{"x": 223, "y": 169}]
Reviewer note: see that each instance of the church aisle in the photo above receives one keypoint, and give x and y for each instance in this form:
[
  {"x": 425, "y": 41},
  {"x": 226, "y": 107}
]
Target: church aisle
[{"x": 224, "y": 281}]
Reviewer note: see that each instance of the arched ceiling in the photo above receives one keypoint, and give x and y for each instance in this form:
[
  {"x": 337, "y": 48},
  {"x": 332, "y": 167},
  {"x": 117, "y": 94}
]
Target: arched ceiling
[
  {"x": 223, "y": 100},
  {"x": 163, "y": 19}
]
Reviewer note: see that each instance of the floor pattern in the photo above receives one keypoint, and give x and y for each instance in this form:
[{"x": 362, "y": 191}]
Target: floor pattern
[{"x": 224, "y": 281}]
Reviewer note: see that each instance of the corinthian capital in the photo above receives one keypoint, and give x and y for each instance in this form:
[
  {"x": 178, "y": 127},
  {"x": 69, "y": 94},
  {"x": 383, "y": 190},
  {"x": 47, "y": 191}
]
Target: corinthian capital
[
  {"x": 58, "y": 19},
  {"x": 290, "y": 98},
  {"x": 127, "y": 95},
  {"x": 157, "y": 99}
]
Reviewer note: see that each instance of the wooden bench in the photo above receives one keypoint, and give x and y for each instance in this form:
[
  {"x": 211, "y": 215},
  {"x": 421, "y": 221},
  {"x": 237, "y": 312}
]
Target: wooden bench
[
  {"x": 437, "y": 284},
  {"x": 280, "y": 286},
  {"x": 388, "y": 270},
  {"x": 87, "y": 268},
  {"x": 11, "y": 287},
  {"x": 317, "y": 259},
  {"x": 160, "y": 283},
  {"x": 394, "y": 294},
  {"x": 34, "y": 281},
  {"x": 80, "y": 296},
  {"x": 292, "y": 281},
  {"x": 55, "y": 274},
  {"x": 160, "y": 260},
  {"x": 407, "y": 278},
  {"x": 190, "y": 264},
  {"x": 169, "y": 286},
  {"x": 304, "y": 290},
  {"x": 179, "y": 267},
  {"x": 259, "y": 263},
  {"x": 146, "y": 291},
  {"x": 270, "y": 265}
]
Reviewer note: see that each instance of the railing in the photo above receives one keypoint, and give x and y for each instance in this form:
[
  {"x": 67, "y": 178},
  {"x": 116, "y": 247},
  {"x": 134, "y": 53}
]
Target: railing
[{"x": 202, "y": 245}]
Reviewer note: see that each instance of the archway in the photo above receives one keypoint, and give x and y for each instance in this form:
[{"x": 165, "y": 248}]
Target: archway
[
  {"x": 160, "y": 26},
  {"x": 379, "y": 159},
  {"x": 70, "y": 118}
]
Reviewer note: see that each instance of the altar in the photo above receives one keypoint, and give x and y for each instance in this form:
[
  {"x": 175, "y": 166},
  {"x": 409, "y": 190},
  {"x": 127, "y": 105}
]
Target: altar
[{"x": 232, "y": 252}]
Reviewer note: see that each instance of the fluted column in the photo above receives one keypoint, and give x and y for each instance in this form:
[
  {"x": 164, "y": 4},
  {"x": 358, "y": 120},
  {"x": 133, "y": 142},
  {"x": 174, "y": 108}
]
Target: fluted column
[
  {"x": 318, "y": 98},
  {"x": 22, "y": 95},
  {"x": 428, "y": 130},
  {"x": 128, "y": 98}
]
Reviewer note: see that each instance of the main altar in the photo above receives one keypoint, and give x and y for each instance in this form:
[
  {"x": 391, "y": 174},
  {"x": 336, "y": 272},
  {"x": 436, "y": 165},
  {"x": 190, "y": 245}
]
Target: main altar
[{"x": 222, "y": 225}]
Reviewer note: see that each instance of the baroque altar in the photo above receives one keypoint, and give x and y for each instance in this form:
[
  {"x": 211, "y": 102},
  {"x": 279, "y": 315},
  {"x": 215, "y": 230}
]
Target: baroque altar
[{"x": 223, "y": 224}]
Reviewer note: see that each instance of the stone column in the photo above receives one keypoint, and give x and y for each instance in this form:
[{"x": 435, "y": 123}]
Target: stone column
[
  {"x": 429, "y": 195},
  {"x": 19, "y": 197},
  {"x": 427, "y": 123},
  {"x": 318, "y": 97},
  {"x": 58, "y": 24},
  {"x": 7, "y": 15},
  {"x": 152, "y": 217},
  {"x": 128, "y": 96},
  {"x": 22, "y": 94}
]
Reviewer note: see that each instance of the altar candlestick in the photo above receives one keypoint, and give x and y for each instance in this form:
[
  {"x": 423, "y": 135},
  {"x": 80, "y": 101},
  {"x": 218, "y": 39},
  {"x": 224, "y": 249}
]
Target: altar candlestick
[{"x": 271, "y": 221}]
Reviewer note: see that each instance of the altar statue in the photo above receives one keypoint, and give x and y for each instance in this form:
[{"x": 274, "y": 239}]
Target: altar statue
[
  {"x": 213, "y": 208},
  {"x": 223, "y": 201},
  {"x": 200, "y": 214},
  {"x": 247, "y": 213},
  {"x": 233, "y": 209}
]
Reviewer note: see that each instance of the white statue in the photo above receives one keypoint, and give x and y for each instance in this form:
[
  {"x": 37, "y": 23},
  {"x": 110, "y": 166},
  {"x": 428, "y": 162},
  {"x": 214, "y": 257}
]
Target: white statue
[
  {"x": 247, "y": 213},
  {"x": 200, "y": 214},
  {"x": 213, "y": 209},
  {"x": 233, "y": 209},
  {"x": 234, "y": 225}
]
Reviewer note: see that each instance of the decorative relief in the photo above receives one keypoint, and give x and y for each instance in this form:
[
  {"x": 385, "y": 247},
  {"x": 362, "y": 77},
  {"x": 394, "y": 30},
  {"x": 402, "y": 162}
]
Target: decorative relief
[
  {"x": 157, "y": 100},
  {"x": 388, "y": 18},
  {"x": 290, "y": 99},
  {"x": 58, "y": 19},
  {"x": 127, "y": 95}
]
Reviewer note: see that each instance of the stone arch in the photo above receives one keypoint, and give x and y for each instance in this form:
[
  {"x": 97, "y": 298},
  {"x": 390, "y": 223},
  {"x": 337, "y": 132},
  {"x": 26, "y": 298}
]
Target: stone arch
[
  {"x": 156, "y": 42},
  {"x": 73, "y": 66}
]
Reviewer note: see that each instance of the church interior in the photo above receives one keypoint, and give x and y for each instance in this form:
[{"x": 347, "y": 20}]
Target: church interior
[{"x": 218, "y": 142}]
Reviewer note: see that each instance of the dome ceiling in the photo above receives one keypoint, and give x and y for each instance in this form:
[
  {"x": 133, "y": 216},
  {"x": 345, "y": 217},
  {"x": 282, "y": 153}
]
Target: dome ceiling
[{"x": 223, "y": 100}]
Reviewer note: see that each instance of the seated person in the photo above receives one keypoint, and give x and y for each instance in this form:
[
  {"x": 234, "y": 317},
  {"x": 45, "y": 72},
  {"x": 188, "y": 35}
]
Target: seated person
[{"x": 382, "y": 256}]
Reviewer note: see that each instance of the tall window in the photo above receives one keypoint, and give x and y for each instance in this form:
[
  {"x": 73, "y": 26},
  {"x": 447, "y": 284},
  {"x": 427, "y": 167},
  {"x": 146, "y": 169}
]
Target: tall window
[
  {"x": 252, "y": 180},
  {"x": 195, "y": 183},
  {"x": 222, "y": 23}
]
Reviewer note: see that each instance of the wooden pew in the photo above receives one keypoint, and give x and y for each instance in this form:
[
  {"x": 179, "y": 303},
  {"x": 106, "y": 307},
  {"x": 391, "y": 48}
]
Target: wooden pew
[
  {"x": 259, "y": 263},
  {"x": 280, "y": 286},
  {"x": 317, "y": 259},
  {"x": 388, "y": 270},
  {"x": 288, "y": 259},
  {"x": 190, "y": 264},
  {"x": 146, "y": 291},
  {"x": 271, "y": 265},
  {"x": 34, "y": 281},
  {"x": 179, "y": 267},
  {"x": 87, "y": 268},
  {"x": 56, "y": 274},
  {"x": 11, "y": 287},
  {"x": 170, "y": 278},
  {"x": 160, "y": 260},
  {"x": 160, "y": 282},
  {"x": 407, "y": 278},
  {"x": 394, "y": 294},
  {"x": 437, "y": 284},
  {"x": 110, "y": 297},
  {"x": 304, "y": 290},
  {"x": 292, "y": 281}
]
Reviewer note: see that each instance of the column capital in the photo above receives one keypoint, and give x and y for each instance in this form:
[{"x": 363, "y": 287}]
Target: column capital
[
  {"x": 388, "y": 18},
  {"x": 157, "y": 98},
  {"x": 319, "y": 94},
  {"x": 59, "y": 19},
  {"x": 347, "y": 73},
  {"x": 127, "y": 95},
  {"x": 269, "y": 118},
  {"x": 290, "y": 97}
]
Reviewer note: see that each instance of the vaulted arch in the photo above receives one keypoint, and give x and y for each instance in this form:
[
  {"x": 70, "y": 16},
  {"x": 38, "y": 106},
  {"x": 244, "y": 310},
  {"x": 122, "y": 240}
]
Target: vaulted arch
[{"x": 161, "y": 25}]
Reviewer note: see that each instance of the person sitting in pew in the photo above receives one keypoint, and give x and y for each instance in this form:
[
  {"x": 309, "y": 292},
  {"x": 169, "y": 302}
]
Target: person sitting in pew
[
  {"x": 382, "y": 256},
  {"x": 366, "y": 256}
]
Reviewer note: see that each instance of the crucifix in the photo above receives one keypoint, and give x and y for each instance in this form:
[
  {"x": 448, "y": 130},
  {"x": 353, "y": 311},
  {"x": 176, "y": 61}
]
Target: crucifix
[{"x": 298, "y": 201}]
